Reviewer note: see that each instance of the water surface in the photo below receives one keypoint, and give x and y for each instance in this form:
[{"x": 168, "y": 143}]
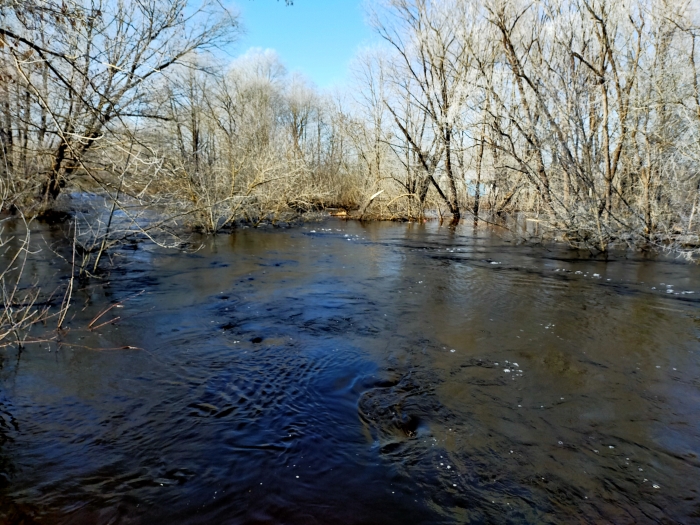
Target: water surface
[{"x": 356, "y": 374}]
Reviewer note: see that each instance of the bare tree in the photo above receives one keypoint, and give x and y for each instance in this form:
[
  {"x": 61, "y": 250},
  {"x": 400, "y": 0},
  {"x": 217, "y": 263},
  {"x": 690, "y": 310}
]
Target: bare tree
[
  {"x": 430, "y": 70},
  {"x": 85, "y": 71}
]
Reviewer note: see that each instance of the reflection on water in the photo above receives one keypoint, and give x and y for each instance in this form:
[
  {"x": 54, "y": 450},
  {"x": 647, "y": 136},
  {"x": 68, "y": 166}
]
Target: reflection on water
[{"x": 341, "y": 373}]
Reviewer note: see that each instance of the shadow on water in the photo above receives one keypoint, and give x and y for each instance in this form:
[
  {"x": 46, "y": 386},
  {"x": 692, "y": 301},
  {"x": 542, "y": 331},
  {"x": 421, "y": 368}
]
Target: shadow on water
[{"x": 356, "y": 374}]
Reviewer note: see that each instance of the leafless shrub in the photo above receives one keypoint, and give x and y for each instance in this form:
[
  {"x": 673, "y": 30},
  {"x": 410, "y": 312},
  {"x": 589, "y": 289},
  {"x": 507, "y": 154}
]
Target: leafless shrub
[{"x": 20, "y": 298}]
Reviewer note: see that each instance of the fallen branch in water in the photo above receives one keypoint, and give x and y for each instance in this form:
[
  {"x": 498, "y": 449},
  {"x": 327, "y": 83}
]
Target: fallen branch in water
[
  {"x": 103, "y": 312},
  {"x": 28, "y": 342},
  {"x": 106, "y": 322},
  {"x": 125, "y": 347}
]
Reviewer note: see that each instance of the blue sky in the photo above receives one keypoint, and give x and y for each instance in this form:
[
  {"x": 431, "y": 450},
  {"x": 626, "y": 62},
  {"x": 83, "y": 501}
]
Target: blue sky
[{"x": 315, "y": 37}]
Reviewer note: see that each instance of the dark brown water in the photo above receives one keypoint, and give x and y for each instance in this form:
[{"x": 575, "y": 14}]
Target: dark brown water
[{"x": 349, "y": 374}]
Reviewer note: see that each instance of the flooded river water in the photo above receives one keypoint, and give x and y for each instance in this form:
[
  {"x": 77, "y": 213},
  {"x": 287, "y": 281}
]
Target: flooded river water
[{"x": 341, "y": 373}]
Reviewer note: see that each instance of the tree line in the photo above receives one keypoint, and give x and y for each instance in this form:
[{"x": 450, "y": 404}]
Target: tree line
[{"x": 583, "y": 115}]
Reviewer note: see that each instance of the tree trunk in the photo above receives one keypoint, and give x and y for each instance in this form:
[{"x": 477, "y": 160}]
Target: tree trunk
[{"x": 454, "y": 204}]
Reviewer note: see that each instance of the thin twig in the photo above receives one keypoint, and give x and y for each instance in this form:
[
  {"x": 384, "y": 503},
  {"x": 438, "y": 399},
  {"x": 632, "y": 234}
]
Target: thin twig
[{"x": 113, "y": 306}]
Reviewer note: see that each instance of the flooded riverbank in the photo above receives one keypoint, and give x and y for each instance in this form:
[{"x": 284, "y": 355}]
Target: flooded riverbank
[{"x": 356, "y": 374}]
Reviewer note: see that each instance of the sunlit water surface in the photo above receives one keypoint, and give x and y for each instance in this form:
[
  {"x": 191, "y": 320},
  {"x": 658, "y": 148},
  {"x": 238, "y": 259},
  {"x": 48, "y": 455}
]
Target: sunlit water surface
[{"x": 349, "y": 374}]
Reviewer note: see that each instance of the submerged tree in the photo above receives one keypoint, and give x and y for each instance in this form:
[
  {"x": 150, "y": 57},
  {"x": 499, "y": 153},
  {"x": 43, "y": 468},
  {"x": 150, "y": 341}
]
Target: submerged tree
[{"x": 583, "y": 111}]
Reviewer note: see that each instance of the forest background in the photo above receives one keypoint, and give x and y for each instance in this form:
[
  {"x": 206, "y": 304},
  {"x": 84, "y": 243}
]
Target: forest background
[{"x": 580, "y": 115}]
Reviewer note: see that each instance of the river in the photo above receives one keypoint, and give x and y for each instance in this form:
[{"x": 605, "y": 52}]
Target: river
[{"x": 357, "y": 374}]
